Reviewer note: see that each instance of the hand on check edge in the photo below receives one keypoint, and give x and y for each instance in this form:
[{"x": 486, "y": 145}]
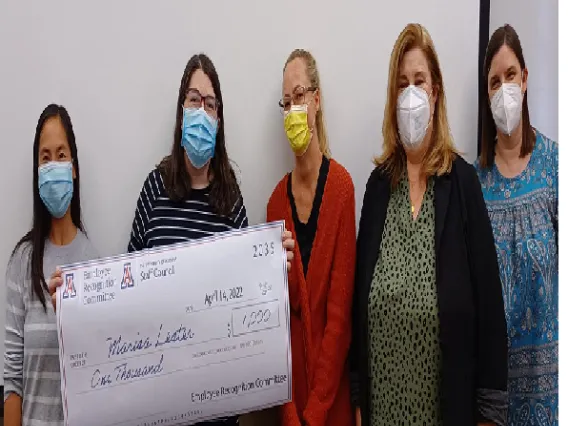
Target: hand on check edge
[
  {"x": 288, "y": 244},
  {"x": 54, "y": 282}
]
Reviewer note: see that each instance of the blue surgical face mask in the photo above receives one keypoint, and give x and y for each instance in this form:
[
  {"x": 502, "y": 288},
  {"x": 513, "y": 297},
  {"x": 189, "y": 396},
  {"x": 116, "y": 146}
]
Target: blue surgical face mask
[
  {"x": 198, "y": 136},
  {"x": 55, "y": 181}
]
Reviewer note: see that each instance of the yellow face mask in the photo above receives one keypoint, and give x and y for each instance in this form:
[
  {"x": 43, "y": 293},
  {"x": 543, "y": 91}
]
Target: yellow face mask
[{"x": 297, "y": 129}]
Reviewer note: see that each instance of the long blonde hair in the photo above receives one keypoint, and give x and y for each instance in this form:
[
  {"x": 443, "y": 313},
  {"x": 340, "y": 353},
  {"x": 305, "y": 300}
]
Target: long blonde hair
[
  {"x": 439, "y": 157},
  {"x": 313, "y": 76}
]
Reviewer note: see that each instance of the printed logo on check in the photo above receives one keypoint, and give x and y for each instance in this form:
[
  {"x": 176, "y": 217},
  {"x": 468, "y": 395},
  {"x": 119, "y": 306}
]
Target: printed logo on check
[
  {"x": 127, "y": 278},
  {"x": 69, "y": 291}
]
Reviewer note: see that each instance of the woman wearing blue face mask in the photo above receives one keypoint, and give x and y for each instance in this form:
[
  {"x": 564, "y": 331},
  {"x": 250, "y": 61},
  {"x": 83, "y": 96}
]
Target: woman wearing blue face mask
[
  {"x": 32, "y": 390},
  {"x": 518, "y": 170},
  {"x": 193, "y": 193}
]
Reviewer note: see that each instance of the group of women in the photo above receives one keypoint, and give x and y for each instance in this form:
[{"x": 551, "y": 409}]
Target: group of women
[{"x": 443, "y": 311}]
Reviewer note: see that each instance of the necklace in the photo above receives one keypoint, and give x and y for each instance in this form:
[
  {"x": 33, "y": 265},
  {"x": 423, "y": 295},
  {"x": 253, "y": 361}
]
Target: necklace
[
  {"x": 412, "y": 205},
  {"x": 421, "y": 188}
]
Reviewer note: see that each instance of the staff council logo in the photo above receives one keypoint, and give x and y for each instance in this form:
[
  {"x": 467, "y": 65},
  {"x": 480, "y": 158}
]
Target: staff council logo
[
  {"x": 127, "y": 278},
  {"x": 69, "y": 289}
]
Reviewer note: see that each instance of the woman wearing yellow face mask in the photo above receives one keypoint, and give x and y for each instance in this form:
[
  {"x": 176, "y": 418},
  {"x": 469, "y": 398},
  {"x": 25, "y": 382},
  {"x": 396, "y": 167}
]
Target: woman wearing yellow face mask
[{"x": 317, "y": 201}]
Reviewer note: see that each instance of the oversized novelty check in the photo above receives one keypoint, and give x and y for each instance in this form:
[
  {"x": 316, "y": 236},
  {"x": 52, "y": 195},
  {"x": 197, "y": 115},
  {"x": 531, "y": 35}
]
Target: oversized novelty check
[{"x": 176, "y": 335}]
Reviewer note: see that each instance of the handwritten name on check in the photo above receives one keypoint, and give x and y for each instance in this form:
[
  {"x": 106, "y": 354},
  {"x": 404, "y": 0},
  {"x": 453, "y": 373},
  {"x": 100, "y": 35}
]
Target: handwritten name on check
[{"x": 176, "y": 335}]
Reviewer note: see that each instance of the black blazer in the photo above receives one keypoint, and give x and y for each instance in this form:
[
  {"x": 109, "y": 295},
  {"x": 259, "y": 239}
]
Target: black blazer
[{"x": 473, "y": 331}]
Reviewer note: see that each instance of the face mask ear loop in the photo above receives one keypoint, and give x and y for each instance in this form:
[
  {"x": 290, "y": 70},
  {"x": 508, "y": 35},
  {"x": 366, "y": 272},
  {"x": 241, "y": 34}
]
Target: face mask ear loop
[
  {"x": 310, "y": 128},
  {"x": 431, "y": 118}
]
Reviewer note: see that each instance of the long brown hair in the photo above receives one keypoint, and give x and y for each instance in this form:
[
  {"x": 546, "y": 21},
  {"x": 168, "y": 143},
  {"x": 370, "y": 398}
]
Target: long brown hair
[
  {"x": 441, "y": 152},
  {"x": 36, "y": 237},
  {"x": 503, "y": 36},
  {"x": 224, "y": 187},
  {"x": 313, "y": 76}
]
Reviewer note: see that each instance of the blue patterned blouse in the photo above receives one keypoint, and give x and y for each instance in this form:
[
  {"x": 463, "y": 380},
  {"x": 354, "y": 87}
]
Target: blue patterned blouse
[{"x": 524, "y": 215}]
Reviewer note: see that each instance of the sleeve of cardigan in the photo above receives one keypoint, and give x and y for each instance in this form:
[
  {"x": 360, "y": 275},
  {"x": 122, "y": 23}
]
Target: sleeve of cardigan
[
  {"x": 356, "y": 334},
  {"x": 288, "y": 412},
  {"x": 337, "y": 333},
  {"x": 492, "y": 356},
  {"x": 353, "y": 356}
]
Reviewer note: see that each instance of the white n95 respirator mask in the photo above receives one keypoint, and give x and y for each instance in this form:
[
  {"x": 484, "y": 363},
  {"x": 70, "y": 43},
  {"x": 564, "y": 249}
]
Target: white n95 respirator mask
[
  {"x": 413, "y": 116},
  {"x": 506, "y": 107}
]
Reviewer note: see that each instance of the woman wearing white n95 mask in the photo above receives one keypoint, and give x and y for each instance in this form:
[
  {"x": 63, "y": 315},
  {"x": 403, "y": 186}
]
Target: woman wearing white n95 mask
[
  {"x": 518, "y": 170},
  {"x": 429, "y": 335}
]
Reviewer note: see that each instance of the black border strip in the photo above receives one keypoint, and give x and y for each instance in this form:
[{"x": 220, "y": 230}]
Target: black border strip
[{"x": 484, "y": 17}]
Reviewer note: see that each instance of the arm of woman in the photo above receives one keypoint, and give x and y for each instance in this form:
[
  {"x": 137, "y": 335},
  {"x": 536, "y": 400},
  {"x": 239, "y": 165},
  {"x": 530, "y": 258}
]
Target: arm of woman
[
  {"x": 288, "y": 412},
  {"x": 356, "y": 335},
  {"x": 142, "y": 213},
  {"x": 13, "y": 410},
  {"x": 492, "y": 355},
  {"x": 240, "y": 214},
  {"x": 555, "y": 194},
  {"x": 14, "y": 345},
  {"x": 337, "y": 334}
]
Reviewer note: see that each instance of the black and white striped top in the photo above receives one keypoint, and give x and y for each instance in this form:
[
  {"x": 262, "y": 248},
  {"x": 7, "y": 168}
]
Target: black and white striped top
[{"x": 159, "y": 221}]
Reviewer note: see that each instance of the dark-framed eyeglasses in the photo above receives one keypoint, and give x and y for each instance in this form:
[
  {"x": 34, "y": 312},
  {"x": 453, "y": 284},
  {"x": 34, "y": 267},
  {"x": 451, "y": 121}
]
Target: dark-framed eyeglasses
[
  {"x": 194, "y": 99},
  {"x": 298, "y": 98}
]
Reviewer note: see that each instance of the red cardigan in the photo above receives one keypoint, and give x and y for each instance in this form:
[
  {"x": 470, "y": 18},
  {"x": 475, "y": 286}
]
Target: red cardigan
[{"x": 320, "y": 303}]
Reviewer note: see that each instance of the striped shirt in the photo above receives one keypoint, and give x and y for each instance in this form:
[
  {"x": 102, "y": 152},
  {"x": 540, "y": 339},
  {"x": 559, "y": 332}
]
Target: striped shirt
[
  {"x": 159, "y": 221},
  {"x": 31, "y": 357}
]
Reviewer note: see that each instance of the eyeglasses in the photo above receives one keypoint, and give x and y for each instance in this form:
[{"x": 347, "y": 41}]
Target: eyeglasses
[
  {"x": 298, "y": 97},
  {"x": 194, "y": 99}
]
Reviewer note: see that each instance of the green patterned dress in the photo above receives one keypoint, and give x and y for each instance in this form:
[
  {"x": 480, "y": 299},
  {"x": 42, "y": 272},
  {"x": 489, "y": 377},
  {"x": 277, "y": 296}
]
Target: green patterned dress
[{"x": 404, "y": 349}]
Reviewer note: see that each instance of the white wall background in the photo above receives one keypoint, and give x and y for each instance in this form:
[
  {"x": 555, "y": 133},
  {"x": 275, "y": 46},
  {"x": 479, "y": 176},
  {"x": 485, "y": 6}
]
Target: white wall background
[
  {"x": 536, "y": 22},
  {"x": 117, "y": 66}
]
